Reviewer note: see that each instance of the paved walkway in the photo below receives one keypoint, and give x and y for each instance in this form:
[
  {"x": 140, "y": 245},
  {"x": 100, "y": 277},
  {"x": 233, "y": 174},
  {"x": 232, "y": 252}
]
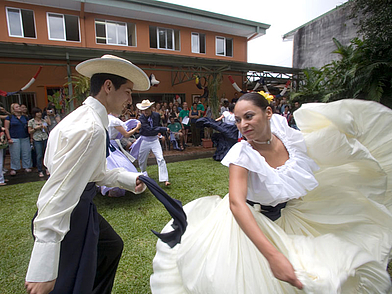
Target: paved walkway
[{"x": 170, "y": 156}]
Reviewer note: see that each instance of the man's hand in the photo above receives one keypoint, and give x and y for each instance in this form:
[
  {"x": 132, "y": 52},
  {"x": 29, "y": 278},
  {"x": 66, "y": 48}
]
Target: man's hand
[
  {"x": 39, "y": 288},
  {"x": 139, "y": 185}
]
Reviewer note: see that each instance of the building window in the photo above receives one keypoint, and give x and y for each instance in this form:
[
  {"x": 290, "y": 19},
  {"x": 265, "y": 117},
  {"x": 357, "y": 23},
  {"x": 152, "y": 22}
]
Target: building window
[
  {"x": 20, "y": 23},
  {"x": 198, "y": 43},
  {"x": 224, "y": 46},
  {"x": 63, "y": 27},
  {"x": 162, "y": 38},
  {"x": 115, "y": 33}
]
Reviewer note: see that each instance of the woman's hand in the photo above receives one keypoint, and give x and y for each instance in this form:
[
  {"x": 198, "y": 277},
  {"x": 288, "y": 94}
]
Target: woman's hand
[{"x": 283, "y": 270}]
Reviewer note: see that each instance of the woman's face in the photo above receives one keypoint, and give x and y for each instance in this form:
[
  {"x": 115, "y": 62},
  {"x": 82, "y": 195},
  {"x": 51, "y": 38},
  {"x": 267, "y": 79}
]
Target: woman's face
[
  {"x": 157, "y": 106},
  {"x": 16, "y": 108},
  {"x": 38, "y": 115},
  {"x": 252, "y": 121},
  {"x": 175, "y": 108}
]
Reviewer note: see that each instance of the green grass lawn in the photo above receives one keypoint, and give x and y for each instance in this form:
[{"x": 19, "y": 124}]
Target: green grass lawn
[{"x": 132, "y": 216}]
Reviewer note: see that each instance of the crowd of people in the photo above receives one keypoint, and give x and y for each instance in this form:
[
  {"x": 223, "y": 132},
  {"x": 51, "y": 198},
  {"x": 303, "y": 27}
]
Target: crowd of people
[
  {"x": 27, "y": 133},
  {"x": 26, "y": 136}
]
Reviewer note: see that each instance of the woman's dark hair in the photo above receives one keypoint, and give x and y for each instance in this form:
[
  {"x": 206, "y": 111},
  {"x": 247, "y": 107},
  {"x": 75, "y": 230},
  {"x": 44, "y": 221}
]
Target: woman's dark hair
[
  {"x": 257, "y": 99},
  {"x": 231, "y": 107},
  {"x": 35, "y": 110},
  {"x": 97, "y": 81}
]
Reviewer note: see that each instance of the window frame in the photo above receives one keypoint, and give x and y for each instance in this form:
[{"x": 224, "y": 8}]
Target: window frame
[
  {"x": 224, "y": 46},
  {"x": 64, "y": 27},
  {"x": 126, "y": 24},
  {"x": 20, "y": 22},
  {"x": 166, "y": 34},
  {"x": 198, "y": 38}
]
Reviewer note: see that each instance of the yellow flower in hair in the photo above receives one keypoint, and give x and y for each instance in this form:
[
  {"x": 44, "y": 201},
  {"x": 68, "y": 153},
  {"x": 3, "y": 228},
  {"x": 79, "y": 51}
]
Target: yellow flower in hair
[{"x": 267, "y": 96}]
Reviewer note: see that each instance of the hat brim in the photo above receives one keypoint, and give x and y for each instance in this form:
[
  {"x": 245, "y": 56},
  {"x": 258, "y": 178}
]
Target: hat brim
[
  {"x": 140, "y": 107},
  {"x": 116, "y": 66}
]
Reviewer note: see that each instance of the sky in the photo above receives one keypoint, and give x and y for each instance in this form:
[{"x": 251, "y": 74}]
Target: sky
[{"x": 283, "y": 16}]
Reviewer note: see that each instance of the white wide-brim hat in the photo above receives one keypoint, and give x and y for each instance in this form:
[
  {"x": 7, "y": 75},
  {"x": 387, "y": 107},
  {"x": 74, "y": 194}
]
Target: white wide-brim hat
[
  {"x": 144, "y": 105},
  {"x": 117, "y": 66}
]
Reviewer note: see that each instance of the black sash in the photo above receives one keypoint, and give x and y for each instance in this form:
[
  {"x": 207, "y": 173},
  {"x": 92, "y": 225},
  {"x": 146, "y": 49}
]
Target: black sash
[
  {"x": 174, "y": 207},
  {"x": 272, "y": 212}
]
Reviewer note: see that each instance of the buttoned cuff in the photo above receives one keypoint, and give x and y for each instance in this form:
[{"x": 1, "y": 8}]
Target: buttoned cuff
[
  {"x": 44, "y": 262},
  {"x": 127, "y": 181}
]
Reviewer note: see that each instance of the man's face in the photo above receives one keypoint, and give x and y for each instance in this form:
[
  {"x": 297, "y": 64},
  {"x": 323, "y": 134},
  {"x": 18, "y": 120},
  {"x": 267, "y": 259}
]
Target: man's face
[
  {"x": 147, "y": 112},
  {"x": 172, "y": 120},
  {"x": 185, "y": 105},
  {"x": 120, "y": 97}
]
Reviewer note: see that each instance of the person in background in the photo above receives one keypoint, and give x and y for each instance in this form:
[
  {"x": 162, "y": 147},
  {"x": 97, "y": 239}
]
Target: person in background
[
  {"x": 185, "y": 121},
  {"x": 18, "y": 139},
  {"x": 287, "y": 113},
  {"x": 2, "y": 180},
  {"x": 149, "y": 132},
  {"x": 24, "y": 110},
  {"x": 175, "y": 113},
  {"x": 235, "y": 99},
  {"x": 224, "y": 107},
  {"x": 178, "y": 105},
  {"x": 176, "y": 134},
  {"x": 52, "y": 118},
  {"x": 199, "y": 104},
  {"x": 194, "y": 115},
  {"x": 38, "y": 128}
]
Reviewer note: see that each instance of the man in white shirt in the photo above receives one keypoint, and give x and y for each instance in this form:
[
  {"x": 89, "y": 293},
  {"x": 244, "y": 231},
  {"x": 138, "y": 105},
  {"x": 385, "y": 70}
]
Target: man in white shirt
[{"x": 75, "y": 249}]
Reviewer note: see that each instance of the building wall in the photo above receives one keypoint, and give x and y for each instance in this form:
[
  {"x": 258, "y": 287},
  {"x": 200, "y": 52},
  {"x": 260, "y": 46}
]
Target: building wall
[
  {"x": 313, "y": 44},
  {"x": 87, "y": 34},
  {"x": 15, "y": 73}
]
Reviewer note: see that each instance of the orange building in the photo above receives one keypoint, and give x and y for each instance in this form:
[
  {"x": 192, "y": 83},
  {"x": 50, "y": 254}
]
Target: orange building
[{"x": 173, "y": 42}]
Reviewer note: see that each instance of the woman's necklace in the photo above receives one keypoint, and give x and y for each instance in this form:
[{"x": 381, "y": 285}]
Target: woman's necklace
[{"x": 268, "y": 142}]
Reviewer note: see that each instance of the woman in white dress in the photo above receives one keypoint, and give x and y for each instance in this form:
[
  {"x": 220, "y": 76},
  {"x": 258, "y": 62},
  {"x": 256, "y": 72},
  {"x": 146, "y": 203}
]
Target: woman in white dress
[{"x": 312, "y": 208}]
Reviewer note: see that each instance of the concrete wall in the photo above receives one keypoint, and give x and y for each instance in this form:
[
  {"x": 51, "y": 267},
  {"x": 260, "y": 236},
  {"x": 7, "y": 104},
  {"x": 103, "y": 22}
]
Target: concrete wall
[{"x": 313, "y": 44}]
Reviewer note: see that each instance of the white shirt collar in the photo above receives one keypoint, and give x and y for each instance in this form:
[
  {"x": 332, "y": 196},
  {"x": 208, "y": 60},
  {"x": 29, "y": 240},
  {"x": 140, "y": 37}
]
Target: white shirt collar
[{"x": 99, "y": 109}]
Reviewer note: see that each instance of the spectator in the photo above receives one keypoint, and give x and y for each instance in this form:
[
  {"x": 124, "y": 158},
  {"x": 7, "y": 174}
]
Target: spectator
[
  {"x": 52, "y": 118},
  {"x": 178, "y": 106},
  {"x": 18, "y": 139},
  {"x": 2, "y": 181},
  {"x": 235, "y": 99},
  {"x": 184, "y": 120},
  {"x": 158, "y": 108},
  {"x": 200, "y": 105},
  {"x": 194, "y": 115},
  {"x": 25, "y": 111},
  {"x": 38, "y": 128},
  {"x": 175, "y": 113},
  {"x": 176, "y": 134},
  {"x": 225, "y": 106},
  {"x": 286, "y": 113}
]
